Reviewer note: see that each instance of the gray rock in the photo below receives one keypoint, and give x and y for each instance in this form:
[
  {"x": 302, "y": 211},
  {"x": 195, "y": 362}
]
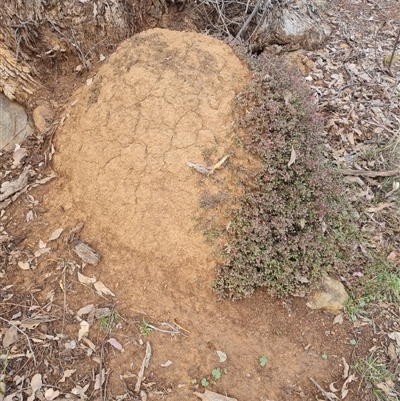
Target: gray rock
[
  {"x": 14, "y": 123},
  {"x": 331, "y": 296}
]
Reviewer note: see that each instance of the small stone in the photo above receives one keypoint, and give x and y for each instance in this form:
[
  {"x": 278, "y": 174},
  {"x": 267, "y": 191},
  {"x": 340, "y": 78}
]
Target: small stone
[
  {"x": 331, "y": 296},
  {"x": 42, "y": 116},
  {"x": 14, "y": 123}
]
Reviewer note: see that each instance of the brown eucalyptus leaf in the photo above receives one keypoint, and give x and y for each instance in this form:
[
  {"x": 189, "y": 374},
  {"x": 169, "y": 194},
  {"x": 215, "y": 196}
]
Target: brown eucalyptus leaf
[
  {"x": 10, "y": 337},
  {"x": 292, "y": 157}
]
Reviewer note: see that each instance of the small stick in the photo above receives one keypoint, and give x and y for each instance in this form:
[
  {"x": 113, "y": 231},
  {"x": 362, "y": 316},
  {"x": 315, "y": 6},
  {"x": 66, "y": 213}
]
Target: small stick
[
  {"x": 324, "y": 393},
  {"x": 365, "y": 173},
  {"x": 394, "y": 49},
  {"x": 29, "y": 341},
  {"x": 101, "y": 371},
  {"x": 145, "y": 364},
  {"x": 243, "y": 28}
]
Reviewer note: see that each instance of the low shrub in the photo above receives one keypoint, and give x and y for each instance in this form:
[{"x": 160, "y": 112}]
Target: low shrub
[{"x": 292, "y": 224}]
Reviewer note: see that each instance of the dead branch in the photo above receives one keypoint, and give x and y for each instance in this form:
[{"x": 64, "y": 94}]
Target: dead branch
[
  {"x": 394, "y": 49},
  {"x": 26, "y": 336},
  {"x": 365, "y": 173},
  {"x": 145, "y": 364},
  {"x": 246, "y": 24},
  {"x": 324, "y": 393}
]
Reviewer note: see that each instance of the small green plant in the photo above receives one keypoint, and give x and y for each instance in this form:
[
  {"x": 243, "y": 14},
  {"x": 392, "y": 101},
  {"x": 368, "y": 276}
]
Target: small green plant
[
  {"x": 144, "y": 328},
  {"x": 263, "y": 360},
  {"x": 108, "y": 322},
  {"x": 204, "y": 382},
  {"x": 324, "y": 356},
  {"x": 376, "y": 376},
  {"x": 216, "y": 373},
  {"x": 292, "y": 224},
  {"x": 353, "y": 341}
]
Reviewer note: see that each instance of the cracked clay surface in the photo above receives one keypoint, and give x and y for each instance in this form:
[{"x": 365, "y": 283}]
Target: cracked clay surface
[{"x": 160, "y": 100}]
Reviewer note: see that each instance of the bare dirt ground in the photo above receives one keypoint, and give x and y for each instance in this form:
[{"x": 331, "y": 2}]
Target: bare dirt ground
[{"x": 138, "y": 201}]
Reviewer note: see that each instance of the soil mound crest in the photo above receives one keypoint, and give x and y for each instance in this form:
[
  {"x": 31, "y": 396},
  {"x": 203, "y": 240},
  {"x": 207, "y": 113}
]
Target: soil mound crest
[{"x": 161, "y": 99}]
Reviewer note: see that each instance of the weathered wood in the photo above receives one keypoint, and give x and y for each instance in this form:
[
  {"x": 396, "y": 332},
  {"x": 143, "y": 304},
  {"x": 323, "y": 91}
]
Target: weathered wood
[
  {"x": 299, "y": 23},
  {"x": 16, "y": 79}
]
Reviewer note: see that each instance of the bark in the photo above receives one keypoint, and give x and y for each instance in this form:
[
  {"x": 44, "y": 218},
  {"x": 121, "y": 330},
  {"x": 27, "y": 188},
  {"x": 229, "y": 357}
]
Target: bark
[
  {"x": 293, "y": 24},
  {"x": 16, "y": 79}
]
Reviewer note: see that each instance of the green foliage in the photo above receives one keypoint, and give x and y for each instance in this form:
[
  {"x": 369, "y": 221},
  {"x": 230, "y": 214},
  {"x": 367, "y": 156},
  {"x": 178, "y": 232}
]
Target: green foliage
[
  {"x": 144, "y": 329},
  {"x": 378, "y": 379},
  {"x": 216, "y": 373},
  {"x": 292, "y": 225},
  {"x": 263, "y": 360},
  {"x": 380, "y": 282},
  {"x": 108, "y": 322},
  {"x": 204, "y": 382}
]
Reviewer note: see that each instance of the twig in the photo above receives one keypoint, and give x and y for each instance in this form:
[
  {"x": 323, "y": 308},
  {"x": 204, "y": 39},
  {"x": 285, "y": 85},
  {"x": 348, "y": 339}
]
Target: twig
[
  {"x": 173, "y": 330},
  {"x": 263, "y": 16},
  {"x": 365, "y": 173},
  {"x": 394, "y": 49},
  {"x": 223, "y": 20},
  {"x": 29, "y": 341},
  {"x": 145, "y": 364},
  {"x": 324, "y": 393},
  {"x": 101, "y": 371},
  {"x": 81, "y": 55},
  {"x": 245, "y": 25}
]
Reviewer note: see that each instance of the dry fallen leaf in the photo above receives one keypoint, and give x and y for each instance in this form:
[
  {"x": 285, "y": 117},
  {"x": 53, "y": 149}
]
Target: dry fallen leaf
[
  {"x": 100, "y": 379},
  {"x": 338, "y": 319},
  {"x": 381, "y": 206},
  {"x": 102, "y": 289},
  {"x": 115, "y": 344},
  {"x": 56, "y": 234},
  {"x": 19, "y": 154},
  {"x": 36, "y": 384},
  {"x": 395, "y": 335},
  {"x": 166, "y": 364},
  {"x": 30, "y": 216},
  {"x": 222, "y": 356},
  {"x": 84, "y": 330},
  {"x": 332, "y": 387},
  {"x": 292, "y": 157},
  {"x": 80, "y": 391},
  {"x": 89, "y": 343},
  {"x": 24, "y": 265},
  {"x": 346, "y": 368},
  {"x": 67, "y": 373},
  {"x": 51, "y": 394},
  {"x": 86, "y": 280},
  {"x": 10, "y": 337},
  {"x": 345, "y": 389},
  {"x": 85, "y": 310}
]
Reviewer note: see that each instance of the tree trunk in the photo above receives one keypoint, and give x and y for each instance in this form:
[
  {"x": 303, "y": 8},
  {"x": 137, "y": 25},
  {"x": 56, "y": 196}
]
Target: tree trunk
[
  {"x": 16, "y": 80},
  {"x": 266, "y": 22},
  {"x": 300, "y": 24}
]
